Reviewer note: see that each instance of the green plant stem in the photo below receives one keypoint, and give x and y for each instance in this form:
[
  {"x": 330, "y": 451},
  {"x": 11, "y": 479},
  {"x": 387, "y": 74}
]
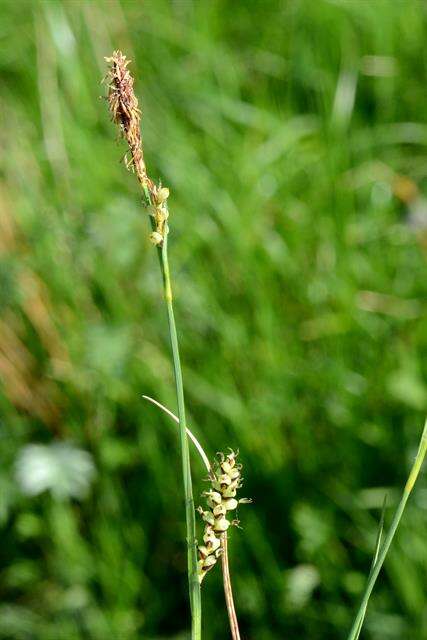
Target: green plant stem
[
  {"x": 372, "y": 578},
  {"x": 193, "y": 582},
  {"x": 190, "y": 513}
]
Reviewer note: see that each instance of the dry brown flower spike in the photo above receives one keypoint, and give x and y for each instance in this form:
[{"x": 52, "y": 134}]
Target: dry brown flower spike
[{"x": 126, "y": 113}]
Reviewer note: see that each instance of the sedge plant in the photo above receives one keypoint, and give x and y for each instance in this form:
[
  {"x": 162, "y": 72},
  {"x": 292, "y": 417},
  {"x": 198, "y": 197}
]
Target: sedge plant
[
  {"x": 224, "y": 474},
  {"x": 125, "y": 112}
]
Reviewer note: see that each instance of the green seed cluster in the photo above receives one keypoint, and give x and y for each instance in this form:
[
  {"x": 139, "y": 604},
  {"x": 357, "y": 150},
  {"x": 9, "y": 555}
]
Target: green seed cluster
[
  {"x": 160, "y": 213},
  {"x": 221, "y": 499}
]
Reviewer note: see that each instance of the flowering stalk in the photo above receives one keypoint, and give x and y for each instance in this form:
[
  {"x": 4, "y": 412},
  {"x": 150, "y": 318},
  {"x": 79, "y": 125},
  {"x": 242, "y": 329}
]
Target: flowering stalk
[
  {"x": 126, "y": 114},
  {"x": 225, "y": 477},
  {"x": 210, "y": 539}
]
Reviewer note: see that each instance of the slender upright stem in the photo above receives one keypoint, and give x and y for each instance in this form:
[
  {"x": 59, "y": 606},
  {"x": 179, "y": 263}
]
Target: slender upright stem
[
  {"x": 228, "y": 592},
  {"x": 193, "y": 582}
]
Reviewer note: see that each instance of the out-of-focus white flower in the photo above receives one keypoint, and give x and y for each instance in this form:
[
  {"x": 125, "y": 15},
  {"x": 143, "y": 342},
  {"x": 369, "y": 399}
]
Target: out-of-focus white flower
[
  {"x": 60, "y": 468},
  {"x": 301, "y": 582}
]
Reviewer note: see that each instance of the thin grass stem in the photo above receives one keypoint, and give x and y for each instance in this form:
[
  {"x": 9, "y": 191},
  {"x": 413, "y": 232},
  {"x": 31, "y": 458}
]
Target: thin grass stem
[{"x": 194, "y": 585}]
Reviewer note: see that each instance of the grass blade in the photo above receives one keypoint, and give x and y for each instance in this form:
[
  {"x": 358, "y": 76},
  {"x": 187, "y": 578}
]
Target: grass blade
[
  {"x": 372, "y": 578},
  {"x": 190, "y": 434},
  {"x": 374, "y": 559}
]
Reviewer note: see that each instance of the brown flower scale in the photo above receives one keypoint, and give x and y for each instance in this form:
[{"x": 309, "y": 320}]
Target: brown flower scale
[
  {"x": 126, "y": 113},
  {"x": 225, "y": 478}
]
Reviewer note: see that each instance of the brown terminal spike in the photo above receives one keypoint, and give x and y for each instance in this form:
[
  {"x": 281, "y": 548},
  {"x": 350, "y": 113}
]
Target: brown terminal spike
[{"x": 125, "y": 112}]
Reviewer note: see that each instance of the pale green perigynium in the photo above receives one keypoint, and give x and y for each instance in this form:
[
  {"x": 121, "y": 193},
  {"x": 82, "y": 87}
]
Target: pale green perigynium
[{"x": 225, "y": 477}]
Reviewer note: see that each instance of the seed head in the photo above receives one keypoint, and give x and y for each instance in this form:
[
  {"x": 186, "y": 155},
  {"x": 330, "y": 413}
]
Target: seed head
[
  {"x": 225, "y": 480},
  {"x": 125, "y": 112}
]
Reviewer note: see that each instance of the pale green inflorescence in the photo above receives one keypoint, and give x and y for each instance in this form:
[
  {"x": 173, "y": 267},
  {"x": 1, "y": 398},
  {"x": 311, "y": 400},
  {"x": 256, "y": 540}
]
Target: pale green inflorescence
[
  {"x": 226, "y": 479},
  {"x": 160, "y": 213}
]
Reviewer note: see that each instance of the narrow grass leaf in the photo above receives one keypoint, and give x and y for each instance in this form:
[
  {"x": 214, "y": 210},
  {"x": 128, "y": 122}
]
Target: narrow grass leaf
[{"x": 372, "y": 578}]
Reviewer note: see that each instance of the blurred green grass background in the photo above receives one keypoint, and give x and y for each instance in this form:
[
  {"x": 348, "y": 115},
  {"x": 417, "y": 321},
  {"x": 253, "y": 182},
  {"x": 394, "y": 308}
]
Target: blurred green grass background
[{"x": 293, "y": 137}]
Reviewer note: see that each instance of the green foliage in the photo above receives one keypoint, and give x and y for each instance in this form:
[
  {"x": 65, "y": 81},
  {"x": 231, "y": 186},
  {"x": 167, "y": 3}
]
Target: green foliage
[{"x": 292, "y": 136}]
